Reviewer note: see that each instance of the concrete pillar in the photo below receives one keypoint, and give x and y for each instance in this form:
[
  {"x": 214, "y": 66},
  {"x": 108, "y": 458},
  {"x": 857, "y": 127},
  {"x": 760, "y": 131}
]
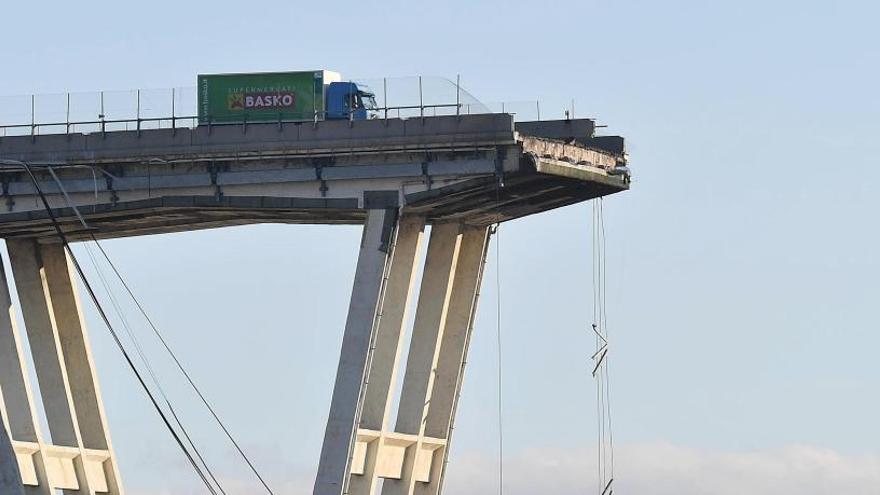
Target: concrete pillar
[
  {"x": 449, "y": 370},
  {"x": 431, "y": 315},
  {"x": 13, "y": 377},
  {"x": 16, "y": 404},
  {"x": 373, "y": 260},
  {"x": 82, "y": 459},
  {"x": 67, "y": 314},
  {"x": 24, "y": 256},
  {"x": 386, "y": 354}
]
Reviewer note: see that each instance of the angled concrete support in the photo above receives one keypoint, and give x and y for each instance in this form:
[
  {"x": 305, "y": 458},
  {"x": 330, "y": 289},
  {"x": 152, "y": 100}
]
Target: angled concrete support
[
  {"x": 411, "y": 458},
  {"x": 16, "y": 402},
  {"x": 386, "y": 354},
  {"x": 449, "y": 371},
  {"x": 369, "y": 282},
  {"x": 438, "y": 350},
  {"x": 431, "y": 317},
  {"x": 80, "y": 459}
]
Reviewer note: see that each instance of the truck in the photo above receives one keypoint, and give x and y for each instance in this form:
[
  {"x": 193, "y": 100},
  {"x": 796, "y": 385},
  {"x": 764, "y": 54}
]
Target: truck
[{"x": 282, "y": 97}]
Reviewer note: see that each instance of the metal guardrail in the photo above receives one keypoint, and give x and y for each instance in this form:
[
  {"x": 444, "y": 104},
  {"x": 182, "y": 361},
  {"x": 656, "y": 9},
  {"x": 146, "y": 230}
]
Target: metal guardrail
[{"x": 151, "y": 109}]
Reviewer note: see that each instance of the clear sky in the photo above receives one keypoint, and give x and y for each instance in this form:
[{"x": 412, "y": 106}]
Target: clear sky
[{"x": 742, "y": 267}]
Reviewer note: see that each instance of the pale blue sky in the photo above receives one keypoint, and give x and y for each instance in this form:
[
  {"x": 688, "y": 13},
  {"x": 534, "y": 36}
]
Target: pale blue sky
[{"x": 743, "y": 264}]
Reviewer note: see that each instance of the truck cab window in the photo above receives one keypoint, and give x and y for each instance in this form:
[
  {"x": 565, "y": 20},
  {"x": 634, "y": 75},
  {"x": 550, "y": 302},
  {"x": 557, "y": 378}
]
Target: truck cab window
[{"x": 367, "y": 100}]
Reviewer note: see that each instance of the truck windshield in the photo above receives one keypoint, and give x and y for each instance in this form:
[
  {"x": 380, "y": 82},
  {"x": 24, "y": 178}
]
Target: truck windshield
[{"x": 368, "y": 101}]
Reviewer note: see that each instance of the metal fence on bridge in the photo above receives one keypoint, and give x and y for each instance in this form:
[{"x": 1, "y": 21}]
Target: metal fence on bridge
[{"x": 104, "y": 111}]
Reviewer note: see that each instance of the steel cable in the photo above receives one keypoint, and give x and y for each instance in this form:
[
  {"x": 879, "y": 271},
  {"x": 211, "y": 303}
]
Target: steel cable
[
  {"x": 102, "y": 313},
  {"x": 161, "y": 338}
]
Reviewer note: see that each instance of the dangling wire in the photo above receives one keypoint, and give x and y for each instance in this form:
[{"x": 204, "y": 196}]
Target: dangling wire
[
  {"x": 191, "y": 444},
  {"x": 161, "y": 338},
  {"x": 155, "y": 379},
  {"x": 102, "y": 313},
  {"x": 605, "y": 327},
  {"x": 180, "y": 367},
  {"x": 605, "y": 447},
  {"x": 500, "y": 362}
]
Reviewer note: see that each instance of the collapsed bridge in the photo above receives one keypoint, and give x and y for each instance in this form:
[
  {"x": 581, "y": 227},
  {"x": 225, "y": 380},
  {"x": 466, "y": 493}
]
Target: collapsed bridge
[{"x": 458, "y": 174}]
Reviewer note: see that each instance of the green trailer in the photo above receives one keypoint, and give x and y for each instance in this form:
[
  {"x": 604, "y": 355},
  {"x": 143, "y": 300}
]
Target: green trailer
[{"x": 263, "y": 97}]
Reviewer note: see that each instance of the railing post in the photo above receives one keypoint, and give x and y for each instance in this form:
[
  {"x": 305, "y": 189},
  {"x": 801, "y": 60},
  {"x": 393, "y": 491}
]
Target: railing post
[
  {"x": 421, "y": 101},
  {"x": 33, "y": 117},
  {"x": 103, "y": 117},
  {"x": 138, "y": 112},
  {"x": 173, "y": 111},
  {"x": 385, "y": 97},
  {"x": 351, "y": 101},
  {"x": 458, "y": 95}
]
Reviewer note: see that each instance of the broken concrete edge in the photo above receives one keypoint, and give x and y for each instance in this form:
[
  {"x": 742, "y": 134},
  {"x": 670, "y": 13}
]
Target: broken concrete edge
[{"x": 573, "y": 131}]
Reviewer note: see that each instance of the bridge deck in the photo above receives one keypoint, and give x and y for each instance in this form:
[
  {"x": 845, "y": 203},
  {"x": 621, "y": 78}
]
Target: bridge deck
[{"x": 476, "y": 169}]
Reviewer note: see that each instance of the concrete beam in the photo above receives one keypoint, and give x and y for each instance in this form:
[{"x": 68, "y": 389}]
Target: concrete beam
[
  {"x": 428, "y": 328},
  {"x": 14, "y": 383},
  {"x": 16, "y": 403},
  {"x": 27, "y": 268},
  {"x": 430, "y": 322},
  {"x": 79, "y": 463},
  {"x": 449, "y": 372},
  {"x": 83, "y": 381},
  {"x": 339, "y": 436},
  {"x": 330, "y": 136},
  {"x": 395, "y": 308},
  {"x": 386, "y": 355}
]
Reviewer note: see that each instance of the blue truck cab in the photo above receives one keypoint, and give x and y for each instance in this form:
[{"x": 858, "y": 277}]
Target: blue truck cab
[{"x": 348, "y": 100}]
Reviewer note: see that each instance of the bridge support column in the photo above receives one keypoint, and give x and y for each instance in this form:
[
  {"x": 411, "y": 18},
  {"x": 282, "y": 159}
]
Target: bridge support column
[
  {"x": 17, "y": 406},
  {"x": 434, "y": 297},
  {"x": 80, "y": 459},
  {"x": 386, "y": 354},
  {"x": 374, "y": 260},
  {"x": 449, "y": 372},
  {"x": 411, "y": 457},
  {"x": 447, "y": 302}
]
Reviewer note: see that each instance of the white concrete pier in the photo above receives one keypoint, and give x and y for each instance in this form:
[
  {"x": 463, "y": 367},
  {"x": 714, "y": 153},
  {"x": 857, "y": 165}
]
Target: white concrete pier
[{"x": 79, "y": 459}]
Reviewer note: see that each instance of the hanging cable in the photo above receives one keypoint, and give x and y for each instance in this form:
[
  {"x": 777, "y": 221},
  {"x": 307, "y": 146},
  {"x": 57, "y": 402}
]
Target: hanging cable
[
  {"x": 139, "y": 350},
  {"x": 500, "y": 362},
  {"x": 102, "y": 313},
  {"x": 120, "y": 314},
  {"x": 183, "y": 370},
  {"x": 161, "y": 338},
  {"x": 63, "y": 238},
  {"x": 482, "y": 270},
  {"x": 605, "y": 447},
  {"x": 605, "y": 326},
  {"x": 600, "y": 345}
]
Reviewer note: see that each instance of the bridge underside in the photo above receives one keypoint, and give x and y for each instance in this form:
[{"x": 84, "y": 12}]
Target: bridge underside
[
  {"x": 475, "y": 202},
  {"x": 477, "y": 170},
  {"x": 457, "y": 174}
]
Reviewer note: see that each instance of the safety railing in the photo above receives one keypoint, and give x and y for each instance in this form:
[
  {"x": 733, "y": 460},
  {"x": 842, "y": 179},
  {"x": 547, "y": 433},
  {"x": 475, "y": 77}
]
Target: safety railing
[{"x": 172, "y": 108}]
